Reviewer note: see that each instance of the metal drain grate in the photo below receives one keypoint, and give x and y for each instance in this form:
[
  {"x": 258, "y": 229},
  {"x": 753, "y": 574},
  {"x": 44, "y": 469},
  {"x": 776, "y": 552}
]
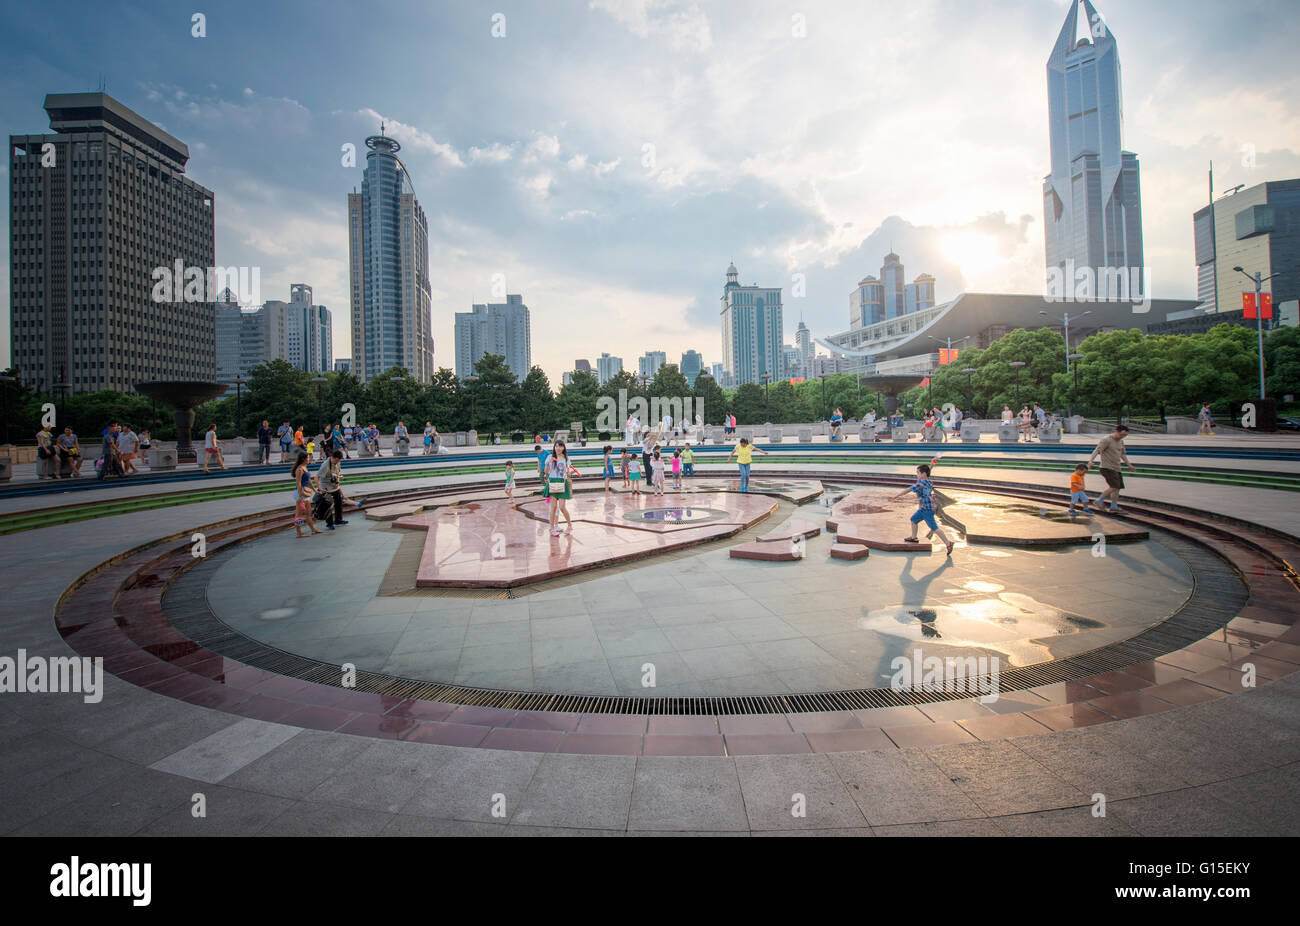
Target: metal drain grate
[{"x": 1217, "y": 597}]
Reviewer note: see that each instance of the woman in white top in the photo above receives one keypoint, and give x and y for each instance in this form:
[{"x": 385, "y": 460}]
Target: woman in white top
[{"x": 212, "y": 448}]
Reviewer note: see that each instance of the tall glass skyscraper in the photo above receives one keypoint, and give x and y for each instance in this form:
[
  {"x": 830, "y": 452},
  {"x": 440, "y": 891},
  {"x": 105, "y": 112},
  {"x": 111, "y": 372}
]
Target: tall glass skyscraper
[
  {"x": 1091, "y": 199},
  {"x": 388, "y": 249}
]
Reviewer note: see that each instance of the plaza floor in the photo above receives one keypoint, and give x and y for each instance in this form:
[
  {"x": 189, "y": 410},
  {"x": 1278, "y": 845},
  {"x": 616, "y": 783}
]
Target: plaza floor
[{"x": 1188, "y": 758}]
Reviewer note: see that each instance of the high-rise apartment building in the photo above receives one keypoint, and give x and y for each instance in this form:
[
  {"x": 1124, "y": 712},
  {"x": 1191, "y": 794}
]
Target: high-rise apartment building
[
  {"x": 388, "y": 261},
  {"x": 751, "y": 332},
  {"x": 247, "y": 337},
  {"x": 607, "y": 367},
  {"x": 1091, "y": 199},
  {"x": 101, "y": 215},
  {"x": 648, "y": 364},
  {"x": 497, "y": 328}
]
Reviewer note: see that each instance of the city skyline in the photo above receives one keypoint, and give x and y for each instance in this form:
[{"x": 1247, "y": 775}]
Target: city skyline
[{"x": 553, "y": 193}]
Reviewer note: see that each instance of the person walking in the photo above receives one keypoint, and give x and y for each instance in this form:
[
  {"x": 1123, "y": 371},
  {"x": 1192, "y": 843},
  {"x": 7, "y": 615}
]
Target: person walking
[
  {"x": 264, "y": 443},
  {"x": 1040, "y": 420},
  {"x": 924, "y": 490},
  {"x": 1110, "y": 449},
  {"x": 128, "y": 443},
  {"x": 329, "y": 483},
  {"x": 302, "y": 496},
  {"x": 608, "y": 468},
  {"x": 559, "y": 487},
  {"x": 212, "y": 448},
  {"x": 743, "y": 453},
  {"x": 1207, "y": 420},
  {"x": 510, "y": 479},
  {"x": 110, "y": 458}
]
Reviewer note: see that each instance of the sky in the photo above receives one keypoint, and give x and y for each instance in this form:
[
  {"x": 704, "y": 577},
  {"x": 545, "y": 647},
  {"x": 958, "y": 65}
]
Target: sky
[{"x": 608, "y": 159}]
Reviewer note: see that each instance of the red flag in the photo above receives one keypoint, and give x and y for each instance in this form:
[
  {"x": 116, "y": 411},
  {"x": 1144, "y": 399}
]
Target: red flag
[
  {"x": 947, "y": 355},
  {"x": 1265, "y": 302},
  {"x": 926, "y": 381}
]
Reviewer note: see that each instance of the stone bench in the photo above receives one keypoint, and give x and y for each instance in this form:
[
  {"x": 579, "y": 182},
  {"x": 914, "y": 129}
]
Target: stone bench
[{"x": 970, "y": 432}]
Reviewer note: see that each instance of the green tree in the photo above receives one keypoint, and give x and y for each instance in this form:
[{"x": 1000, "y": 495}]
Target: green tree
[
  {"x": 390, "y": 396},
  {"x": 747, "y": 404},
  {"x": 446, "y": 402},
  {"x": 1282, "y": 362},
  {"x": 279, "y": 391},
  {"x": 714, "y": 399},
  {"x": 495, "y": 397},
  {"x": 576, "y": 401},
  {"x": 668, "y": 383},
  {"x": 535, "y": 398}
]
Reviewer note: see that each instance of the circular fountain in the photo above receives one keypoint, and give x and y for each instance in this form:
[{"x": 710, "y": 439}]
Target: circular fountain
[{"x": 183, "y": 396}]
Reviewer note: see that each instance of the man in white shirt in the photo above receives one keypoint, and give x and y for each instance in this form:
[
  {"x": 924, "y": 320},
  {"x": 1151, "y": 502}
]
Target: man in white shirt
[{"x": 127, "y": 444}]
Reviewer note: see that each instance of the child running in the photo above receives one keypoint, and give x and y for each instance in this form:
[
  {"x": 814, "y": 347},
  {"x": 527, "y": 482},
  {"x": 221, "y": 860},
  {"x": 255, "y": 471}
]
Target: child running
[
  {"x": 677, "y": 470},
  {"x": 609, "y": 465},
  {"x": 924, "y": 490},
  {"x": 1078, "y": 494},
  {"x": 657, "y": 470},
  {"x": 510, "y": 479}
]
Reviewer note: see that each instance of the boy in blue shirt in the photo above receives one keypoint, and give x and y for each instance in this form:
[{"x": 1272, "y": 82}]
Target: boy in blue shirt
[{"x": 924, "y": 490}]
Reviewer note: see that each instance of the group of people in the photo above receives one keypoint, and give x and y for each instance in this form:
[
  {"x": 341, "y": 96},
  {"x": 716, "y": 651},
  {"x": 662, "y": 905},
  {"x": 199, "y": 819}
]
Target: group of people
[
  {"x": 61, "y": 456},
  {"x": 1029, "y": 422}
]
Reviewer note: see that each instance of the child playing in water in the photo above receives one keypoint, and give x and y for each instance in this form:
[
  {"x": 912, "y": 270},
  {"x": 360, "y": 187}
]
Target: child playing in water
[
  {"x": 924, "y": 490},
  {"x": 1078, "y": 493},
  {"x": 627, "y": 461},
  {"x": 677, "y": 470},
  {"x": 510, "y": 479},
  {"x": 609, "y": 465},
  {"x": 657, "y": 470}
]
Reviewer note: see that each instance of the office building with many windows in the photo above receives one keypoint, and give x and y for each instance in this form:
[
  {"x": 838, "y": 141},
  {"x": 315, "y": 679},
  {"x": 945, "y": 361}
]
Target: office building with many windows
[
  {"x": 102, "y": 214},
  {"x": 607, "y": 367},
  {"x": 498, "y": 328}
]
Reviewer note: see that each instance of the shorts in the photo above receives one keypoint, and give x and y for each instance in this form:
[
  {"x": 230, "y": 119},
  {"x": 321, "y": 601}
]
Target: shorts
[
  {"x": 922, "y": 514},
  {"x": 1080, "y": 498},
  {"x": 1113, "y": 478}
]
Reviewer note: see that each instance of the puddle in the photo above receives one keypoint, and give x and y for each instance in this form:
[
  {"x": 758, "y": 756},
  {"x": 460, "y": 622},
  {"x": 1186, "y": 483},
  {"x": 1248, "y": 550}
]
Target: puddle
[{"x": 1008, "y": 623}]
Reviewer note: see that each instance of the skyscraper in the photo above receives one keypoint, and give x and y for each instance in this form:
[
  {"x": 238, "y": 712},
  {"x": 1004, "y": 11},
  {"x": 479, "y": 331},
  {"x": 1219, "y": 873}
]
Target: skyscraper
[
  {"x": 309, "y": 332},
  {"x": 751, "y": 331},
  {"x": 692, "y": 364},
  {"x": 100, "y": 213},
  {"x": 875, "y": 300},
  {"x": 648, "y": 364},
  {"x": 388, "y": 257},
  {"x": 498, "y": 328},
  {"x": 607, "y": 367},
  {"x": 803, "y": 351},
  {"x": 1091, "y": 199},
  {"x": 248, "y": 337}
]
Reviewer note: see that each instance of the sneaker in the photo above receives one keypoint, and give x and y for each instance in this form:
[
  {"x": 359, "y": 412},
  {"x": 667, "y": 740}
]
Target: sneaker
[
  {"x": 340, "y": 522},
  {"x": 329, "y": 527}
]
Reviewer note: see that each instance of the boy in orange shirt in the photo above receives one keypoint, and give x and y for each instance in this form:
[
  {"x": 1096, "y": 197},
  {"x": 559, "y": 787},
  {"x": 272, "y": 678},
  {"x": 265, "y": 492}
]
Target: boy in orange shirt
[{"x": 1078, "y": 494}]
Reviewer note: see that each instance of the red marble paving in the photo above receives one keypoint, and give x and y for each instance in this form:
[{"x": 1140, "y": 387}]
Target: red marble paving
[
  {"x": 1265, "y": 634},
  {"x": 1000, "y": 520},
  {"x": 501, "y": 544},
  {"x": 849, "y": 551},
  {"x": 766, "y": 552},
  {"x": 795, "y": 527}
]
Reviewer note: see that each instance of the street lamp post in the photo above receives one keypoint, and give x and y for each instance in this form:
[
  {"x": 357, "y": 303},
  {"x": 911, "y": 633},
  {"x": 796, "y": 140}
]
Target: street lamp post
[
  {"x": 767, "y": 378},
  {"x": 320, "y": 421},
  {"x": 1016, "y": 365},
  {"x": 823, "y": 379},
  {"x": 239, "y": 405},
  {"x": 471, "y": 379},
  {"x": 1066, "y": 321},
  {"x": 970, "y": 389},
  {"x": 1258, "y": 280},
  {"x": 1076, "y": 358},
  {"x": 5, "y": 380},
  {"x": 61, "y": 389}
]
